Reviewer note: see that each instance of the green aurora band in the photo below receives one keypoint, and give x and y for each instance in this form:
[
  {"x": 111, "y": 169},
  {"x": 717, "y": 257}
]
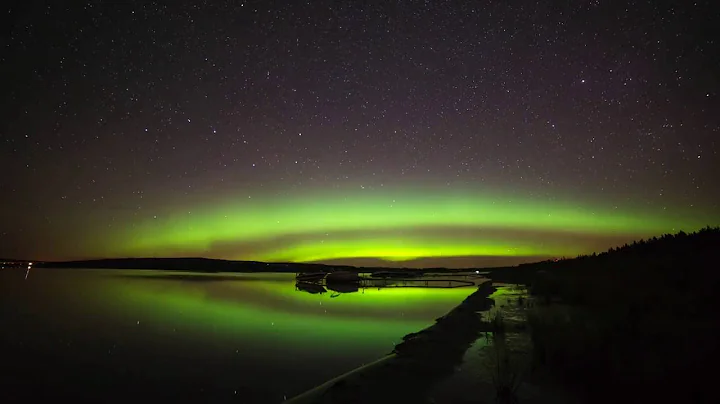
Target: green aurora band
[{"x": 393, "y": 226}]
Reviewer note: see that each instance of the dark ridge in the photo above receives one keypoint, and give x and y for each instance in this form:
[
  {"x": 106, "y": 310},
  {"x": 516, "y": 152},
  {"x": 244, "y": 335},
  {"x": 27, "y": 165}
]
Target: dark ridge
[
  {"x": 192, "y": 264},
  {"x": 668, "y": 252},
  {"x": 204, "y": 265}
]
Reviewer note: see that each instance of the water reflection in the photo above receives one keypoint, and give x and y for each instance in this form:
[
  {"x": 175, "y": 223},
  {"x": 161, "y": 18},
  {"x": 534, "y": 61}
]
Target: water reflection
[{"x": 202, "y": 336}]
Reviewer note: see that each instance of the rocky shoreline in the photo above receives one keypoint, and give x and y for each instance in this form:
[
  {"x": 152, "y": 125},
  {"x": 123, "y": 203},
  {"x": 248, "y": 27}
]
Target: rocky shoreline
[{"x": 410, "y": 371}]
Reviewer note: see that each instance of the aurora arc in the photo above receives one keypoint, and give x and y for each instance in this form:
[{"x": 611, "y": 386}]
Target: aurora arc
[{"x": 304, "y": 228}]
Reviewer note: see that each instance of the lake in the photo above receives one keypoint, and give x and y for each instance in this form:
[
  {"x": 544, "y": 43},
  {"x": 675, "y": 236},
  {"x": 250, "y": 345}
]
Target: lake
[{"x": 118, "y": 335}]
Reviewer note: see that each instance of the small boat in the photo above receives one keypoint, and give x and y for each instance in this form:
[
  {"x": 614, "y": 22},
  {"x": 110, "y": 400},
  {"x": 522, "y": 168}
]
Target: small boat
[
  {"x": 343, "y": 277},
  {"x": 310, "y": 276},
  {"x": 309, "y": 287}
]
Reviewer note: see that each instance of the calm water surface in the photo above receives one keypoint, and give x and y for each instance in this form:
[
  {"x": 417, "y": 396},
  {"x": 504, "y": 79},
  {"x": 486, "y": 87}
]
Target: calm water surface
[{"x": 113, "y": 336}]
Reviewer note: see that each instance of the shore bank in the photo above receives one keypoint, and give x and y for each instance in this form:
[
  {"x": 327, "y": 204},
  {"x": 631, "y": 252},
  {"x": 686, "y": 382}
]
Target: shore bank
[{"x": 423, "y": 359}]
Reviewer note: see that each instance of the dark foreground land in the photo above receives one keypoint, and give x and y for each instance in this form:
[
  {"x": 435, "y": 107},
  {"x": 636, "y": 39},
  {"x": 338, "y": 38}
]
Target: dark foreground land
[{"x": 634, "y": 324}]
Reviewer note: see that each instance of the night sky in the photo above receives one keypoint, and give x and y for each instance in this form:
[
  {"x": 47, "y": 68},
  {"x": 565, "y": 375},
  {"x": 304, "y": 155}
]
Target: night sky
[{"x": 410, "y": 133}]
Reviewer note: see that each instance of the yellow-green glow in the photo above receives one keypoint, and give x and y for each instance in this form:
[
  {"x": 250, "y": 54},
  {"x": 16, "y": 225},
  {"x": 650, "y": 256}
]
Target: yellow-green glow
[
  {"x": 402, "y": 249},
  {"x": 396, "y": 226}
]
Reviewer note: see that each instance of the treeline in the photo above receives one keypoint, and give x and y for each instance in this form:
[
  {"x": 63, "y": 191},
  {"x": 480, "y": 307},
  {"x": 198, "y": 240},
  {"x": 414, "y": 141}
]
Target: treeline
[{"x": 669, "y": 248}]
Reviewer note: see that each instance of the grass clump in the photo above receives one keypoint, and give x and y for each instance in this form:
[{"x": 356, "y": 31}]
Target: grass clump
[
  {"x": 506, "y": 367},
  {"x": 496, "y": 321}
]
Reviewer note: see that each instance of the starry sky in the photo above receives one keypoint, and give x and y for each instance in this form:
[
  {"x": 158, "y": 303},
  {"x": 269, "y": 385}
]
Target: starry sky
[{"x": 410, "y": 133}]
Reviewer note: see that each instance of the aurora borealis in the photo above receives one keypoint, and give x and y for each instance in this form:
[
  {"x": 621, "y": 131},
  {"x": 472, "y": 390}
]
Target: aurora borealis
[
  {"x": 389, "y": 133},
  {"x": 393, "y": 227}
]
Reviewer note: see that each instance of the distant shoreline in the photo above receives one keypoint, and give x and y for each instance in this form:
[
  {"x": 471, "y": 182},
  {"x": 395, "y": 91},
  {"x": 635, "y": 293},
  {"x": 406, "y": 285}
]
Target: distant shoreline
[{"x": 217, "y": 265}]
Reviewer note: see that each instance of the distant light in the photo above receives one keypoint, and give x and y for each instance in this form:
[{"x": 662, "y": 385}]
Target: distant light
[
  {"x": 29, "y": 263},
  {"x": 477, "y": 272}
]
